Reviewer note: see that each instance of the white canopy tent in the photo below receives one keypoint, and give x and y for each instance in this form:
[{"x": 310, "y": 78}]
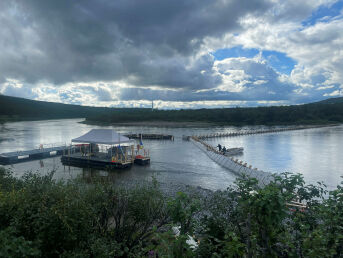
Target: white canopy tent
[{"x": 103, "y": 136}]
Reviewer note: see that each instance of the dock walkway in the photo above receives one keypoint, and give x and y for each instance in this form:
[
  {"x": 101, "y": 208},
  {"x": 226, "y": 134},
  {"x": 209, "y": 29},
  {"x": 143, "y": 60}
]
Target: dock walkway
[
  {"x": 21, "y": 156},
  {"x": 234, "y": 165},
  {"x": 250, "y": 132}
]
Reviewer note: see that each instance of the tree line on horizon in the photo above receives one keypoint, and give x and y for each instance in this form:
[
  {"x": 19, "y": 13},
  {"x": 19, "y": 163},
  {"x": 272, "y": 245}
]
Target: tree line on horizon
[
  {"x": 275, "y": 115},
  {"x": 329, "y": 111}
]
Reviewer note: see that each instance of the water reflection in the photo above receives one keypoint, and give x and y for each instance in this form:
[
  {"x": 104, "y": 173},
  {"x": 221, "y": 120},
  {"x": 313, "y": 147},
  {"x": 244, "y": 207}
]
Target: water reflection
[{"x": 315, "y": 152}]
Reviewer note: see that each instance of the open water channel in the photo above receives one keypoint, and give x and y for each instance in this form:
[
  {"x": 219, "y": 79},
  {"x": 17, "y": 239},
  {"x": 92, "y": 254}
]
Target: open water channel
[{"x": 316, "y": 153}]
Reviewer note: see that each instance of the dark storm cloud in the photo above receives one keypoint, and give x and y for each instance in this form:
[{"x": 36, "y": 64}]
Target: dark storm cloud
[
  {"x": 142, "y": 42},
  {"x": 251, "y": 93}
]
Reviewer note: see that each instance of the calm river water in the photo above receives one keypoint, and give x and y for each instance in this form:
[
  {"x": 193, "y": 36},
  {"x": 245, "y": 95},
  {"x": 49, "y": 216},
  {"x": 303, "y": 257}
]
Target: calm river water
[{"x": 316, "y": 153}]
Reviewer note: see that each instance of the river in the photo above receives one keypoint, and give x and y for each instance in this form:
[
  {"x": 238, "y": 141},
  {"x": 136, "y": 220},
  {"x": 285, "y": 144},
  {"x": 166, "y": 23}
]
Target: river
[{"x": 316, "y": 153}]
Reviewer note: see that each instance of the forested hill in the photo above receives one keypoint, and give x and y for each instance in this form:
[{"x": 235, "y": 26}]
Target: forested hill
[
  {"x": 328, "y": 111},
  {"x": 13, "y": 109},
  {"x": 331, "y": 101},
  {"x": 314, "y": 113}
]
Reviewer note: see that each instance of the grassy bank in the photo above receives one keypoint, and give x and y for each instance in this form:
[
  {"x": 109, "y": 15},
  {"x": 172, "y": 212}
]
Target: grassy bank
[{"x": 40, "y": 217}]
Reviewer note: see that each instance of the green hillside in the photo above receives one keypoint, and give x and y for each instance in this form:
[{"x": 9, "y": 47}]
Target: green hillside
[
  {"x": 14, "y": 109},
  {"x": 331, "y": 101},
  {"x": 314, "y": 113},
  {"x": 323, "y": 112}
]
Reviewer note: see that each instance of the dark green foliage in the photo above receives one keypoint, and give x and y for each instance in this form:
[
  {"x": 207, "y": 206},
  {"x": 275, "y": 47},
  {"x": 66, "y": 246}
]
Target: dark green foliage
[
  {"x": 182, "y": 209},
  {"x": 329, "y": 111},
  {"x": 331, "y": 100},
  {"x": 40, "y": 217},
  {"x": 283, "y": 115},
  {"x": 16, "y": 246},
  {"x": 14, "y": 109},
  {"x": 71, "y": 218}
]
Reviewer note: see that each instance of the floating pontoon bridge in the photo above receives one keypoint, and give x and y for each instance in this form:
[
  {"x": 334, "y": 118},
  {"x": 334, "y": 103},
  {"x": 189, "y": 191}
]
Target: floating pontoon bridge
[{"x": 101, "y": 148}]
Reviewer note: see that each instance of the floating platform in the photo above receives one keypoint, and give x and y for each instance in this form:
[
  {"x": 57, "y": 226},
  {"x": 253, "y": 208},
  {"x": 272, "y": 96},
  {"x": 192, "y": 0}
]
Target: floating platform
[
  {"x": 141, "y": 160},
  {"x": 100, "y": 160},
  {"x": 150, "y": 136},
  {"x": 22, "y": 156}
]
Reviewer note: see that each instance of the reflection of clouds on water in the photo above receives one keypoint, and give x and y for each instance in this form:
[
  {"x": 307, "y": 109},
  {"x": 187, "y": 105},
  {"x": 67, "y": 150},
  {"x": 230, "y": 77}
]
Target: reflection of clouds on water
[{"x": 314, "y": 152}]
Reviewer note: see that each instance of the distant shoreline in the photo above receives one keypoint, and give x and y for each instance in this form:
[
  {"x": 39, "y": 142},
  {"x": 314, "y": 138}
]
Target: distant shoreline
[
  {"x": 153, "y": 123},
  {"x": 170, "y": 124},
  {"x": 317, "y": 113},
  {"x": 196, "y": 124}
]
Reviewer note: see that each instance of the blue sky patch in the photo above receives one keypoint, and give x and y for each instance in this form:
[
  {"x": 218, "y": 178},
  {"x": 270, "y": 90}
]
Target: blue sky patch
[
  {"x": 224, "y": 53},
  {"x": 279, "y": 61},
  {"x": 324, "y": 11}
]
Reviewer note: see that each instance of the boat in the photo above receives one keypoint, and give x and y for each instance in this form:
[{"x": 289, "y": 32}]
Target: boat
[
  {"x": 233, "y": 151},
  {"x": 142, "y": 160},
  {"x": 142, "y": 155}
]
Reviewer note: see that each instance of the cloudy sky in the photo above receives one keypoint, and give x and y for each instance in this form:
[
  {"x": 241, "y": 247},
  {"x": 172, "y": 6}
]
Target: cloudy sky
[{"x": 181, "y": 54}]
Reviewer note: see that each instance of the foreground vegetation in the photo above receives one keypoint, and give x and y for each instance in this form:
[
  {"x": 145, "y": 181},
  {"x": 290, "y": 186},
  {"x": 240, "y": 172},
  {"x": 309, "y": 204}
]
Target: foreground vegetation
[
  {"x": 325, "y": 112},
  {"x": 40, "y": 217}
]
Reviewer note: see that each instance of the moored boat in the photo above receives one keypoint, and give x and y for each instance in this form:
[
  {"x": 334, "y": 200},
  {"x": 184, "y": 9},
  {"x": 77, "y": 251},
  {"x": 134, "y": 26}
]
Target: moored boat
[
  {"x": 142, "y": 155},
  {"x": 233, "y": 151}
]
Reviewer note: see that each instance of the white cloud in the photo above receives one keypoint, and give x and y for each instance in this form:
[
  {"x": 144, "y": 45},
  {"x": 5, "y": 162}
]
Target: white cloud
[
  {"x": 336, "y": 93},
  {"x": 108, "y": 61},
  {"x": 317, "y": 49}
]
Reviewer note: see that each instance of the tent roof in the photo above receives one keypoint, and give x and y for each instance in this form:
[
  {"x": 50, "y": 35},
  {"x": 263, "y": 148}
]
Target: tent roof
[{"x": 102, "y": 136}]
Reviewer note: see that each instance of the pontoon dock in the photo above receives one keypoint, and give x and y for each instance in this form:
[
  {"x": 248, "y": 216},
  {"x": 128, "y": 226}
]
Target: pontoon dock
[
  {"x": 99, "y": 161},
  {"x": 105, "y": 149},
  {"x": 22, "y": 156}
]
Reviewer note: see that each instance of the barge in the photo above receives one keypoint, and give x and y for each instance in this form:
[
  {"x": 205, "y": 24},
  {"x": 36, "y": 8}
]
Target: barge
[
  {"x": 105, "y": 149},
  {"x": 100, "y": 161}
]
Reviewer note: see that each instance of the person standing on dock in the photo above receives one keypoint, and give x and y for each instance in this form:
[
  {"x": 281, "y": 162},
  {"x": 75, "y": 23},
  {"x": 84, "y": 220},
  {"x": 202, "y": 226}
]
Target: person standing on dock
[{"x": 219, "y": 147}]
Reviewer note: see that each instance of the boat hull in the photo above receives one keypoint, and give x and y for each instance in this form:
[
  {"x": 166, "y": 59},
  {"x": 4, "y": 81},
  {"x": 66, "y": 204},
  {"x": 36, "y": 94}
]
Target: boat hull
[{"x": 142, "y": 161}]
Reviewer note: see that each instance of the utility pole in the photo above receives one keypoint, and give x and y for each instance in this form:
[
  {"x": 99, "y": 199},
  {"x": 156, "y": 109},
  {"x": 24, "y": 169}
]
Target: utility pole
[{"x": 152, "y": 105}]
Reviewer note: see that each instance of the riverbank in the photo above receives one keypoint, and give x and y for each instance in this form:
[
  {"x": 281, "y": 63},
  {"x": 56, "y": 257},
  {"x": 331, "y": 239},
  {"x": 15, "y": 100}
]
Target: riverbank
[
  {"x": 152, "y": 124},
  {"x": 176, "y": 124},
  {"x": 18, "y": 109}
]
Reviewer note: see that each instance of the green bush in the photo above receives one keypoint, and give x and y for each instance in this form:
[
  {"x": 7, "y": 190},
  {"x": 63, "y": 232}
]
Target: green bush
[{"x": 40, "y": 217}]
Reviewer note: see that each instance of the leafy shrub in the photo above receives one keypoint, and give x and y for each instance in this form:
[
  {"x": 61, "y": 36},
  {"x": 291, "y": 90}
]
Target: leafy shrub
[{"x": 40, "y": 217}]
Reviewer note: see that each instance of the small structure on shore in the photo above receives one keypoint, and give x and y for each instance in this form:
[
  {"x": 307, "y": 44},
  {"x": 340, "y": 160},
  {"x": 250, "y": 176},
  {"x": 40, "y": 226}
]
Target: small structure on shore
[{"x": 101, "y": 148}]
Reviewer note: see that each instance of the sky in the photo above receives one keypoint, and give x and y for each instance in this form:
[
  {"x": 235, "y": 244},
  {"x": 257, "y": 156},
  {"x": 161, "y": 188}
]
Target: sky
[{"x": 180, "y": 54}]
